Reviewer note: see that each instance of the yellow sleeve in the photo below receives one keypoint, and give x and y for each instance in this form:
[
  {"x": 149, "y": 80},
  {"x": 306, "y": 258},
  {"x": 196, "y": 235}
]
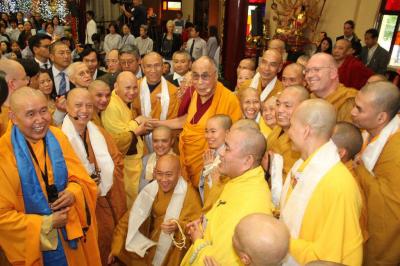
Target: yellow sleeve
[{"x": 344, "y": 112}]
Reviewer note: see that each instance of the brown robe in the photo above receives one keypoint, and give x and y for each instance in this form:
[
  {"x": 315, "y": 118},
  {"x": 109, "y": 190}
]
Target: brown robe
[
  {"x": 191, "y": 211},
  {"x": 109, "y": 208}
]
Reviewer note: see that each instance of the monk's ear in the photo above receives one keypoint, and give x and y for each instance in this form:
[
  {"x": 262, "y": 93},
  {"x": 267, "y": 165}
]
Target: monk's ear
[
  {"x": 342, "y": 153},
  {"x": 383, "y": 117},
  {"x": 246, "y": 260},
  {"x": 12, "y": 117}
]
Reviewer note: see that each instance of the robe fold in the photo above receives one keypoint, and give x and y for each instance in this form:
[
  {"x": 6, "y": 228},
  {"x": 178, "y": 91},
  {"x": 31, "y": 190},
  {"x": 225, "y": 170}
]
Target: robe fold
[
  {"x": 156, "y": 102},
  {"x": 192, "y": 142},
  {"x": 275, "y": 91},
  {"x": 4, "y": 119},
  {"x": 110, "y": 208},
  {"x": 191, "y": 210},
  {"x": 330, "y": 229},
  {"x": 226, "y": 213},
  {"x": 20, "y": 232},
  {"x": 264, "y": 128},
  {"x": 343, "y": 101},
  {"x": 118, "y": 119},
  {"x": 382, "y": 191}
]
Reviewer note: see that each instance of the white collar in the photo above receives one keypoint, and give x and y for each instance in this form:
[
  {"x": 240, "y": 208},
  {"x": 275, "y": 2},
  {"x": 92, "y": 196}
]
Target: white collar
[{"x": 177, "y": 76}]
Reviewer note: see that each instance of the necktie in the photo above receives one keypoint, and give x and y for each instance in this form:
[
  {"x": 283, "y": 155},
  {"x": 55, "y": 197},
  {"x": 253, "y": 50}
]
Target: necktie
[
  {"x": 191, "y": 49},
  {"x": 63, "y": 84},
  {"x": 46, "y": 66}
]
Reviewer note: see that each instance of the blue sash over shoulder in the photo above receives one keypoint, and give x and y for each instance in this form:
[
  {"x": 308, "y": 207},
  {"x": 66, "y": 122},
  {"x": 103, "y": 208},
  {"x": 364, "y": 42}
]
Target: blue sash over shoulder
[{"x": 34, "y": 199}]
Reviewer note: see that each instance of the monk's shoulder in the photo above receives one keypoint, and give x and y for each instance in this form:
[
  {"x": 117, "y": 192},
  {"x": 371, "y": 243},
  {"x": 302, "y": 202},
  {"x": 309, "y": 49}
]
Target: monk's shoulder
[
  {"x": 339, "y": 180},
  {"x": 347, "y": 92},
  {"x": 391, "y": 151}
]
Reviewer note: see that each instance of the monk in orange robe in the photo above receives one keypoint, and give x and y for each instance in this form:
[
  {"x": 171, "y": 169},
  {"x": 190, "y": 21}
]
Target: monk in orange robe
[
  {"x": 46, "y": 219},
  {"x": 266, "y": 79},
  {"x": 103, "y": 162},
  {"x": 323, "y": 82},
  {"x": 210, "y": 98},
  {"x": 378, "y": 169},
  {"x": 169, "y": 204}
]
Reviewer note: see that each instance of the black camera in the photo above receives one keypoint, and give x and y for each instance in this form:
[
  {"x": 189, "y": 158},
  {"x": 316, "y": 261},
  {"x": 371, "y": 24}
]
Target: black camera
[{"x": 52, "y": 193}]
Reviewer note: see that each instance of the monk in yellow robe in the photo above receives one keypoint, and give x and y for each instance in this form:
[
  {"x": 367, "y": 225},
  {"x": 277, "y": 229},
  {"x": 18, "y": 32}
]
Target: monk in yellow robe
[
  {"x": 348, "y": 140},
  {"x": 320, "y": 202},
  {"x": 211, "y": 182},
  {"x": 46, "y": 219},
  {"x": 240, "y": 161},
  {"x": 278, "y": 143},
  {"x": 323, "y": 81},
  {"x": 210, "y": 98},
  {"x": 15, "y": 78},
  {"x": 157, "y": 96},
  {"x": 266, "y": 80},
  {"x": 120, "y": 118},
  {"x": 250, "y": 103},
  {"x": 378, "y": 167},
  {"x": 167, "y": 206},
  {"x": 103, "y": 162},
  {"x": 101, "y": 94}
]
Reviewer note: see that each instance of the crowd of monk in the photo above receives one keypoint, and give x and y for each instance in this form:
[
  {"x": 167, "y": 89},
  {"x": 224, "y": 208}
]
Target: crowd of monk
[{"x": 292, "y": 168}]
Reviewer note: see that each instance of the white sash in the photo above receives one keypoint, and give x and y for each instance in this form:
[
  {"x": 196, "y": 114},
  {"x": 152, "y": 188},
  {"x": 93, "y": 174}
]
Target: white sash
[
  {"x": 293, "y": 209},
  {"x": 100, "y": 150},
  {"x": 276, "y": 178},
  {"x": 373, "y": 150},
  {"x": 145, "y": 104},
  {"x": 270, "y": 86},
  {"x": 151, "y": 163},
  {"x": 141, "y": 209},
  {"x": 255, "y": 80}
]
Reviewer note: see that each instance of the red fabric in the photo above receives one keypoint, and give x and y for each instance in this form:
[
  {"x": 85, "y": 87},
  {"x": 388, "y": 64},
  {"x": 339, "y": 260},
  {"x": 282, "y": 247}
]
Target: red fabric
[
  {"x": 201, "y": 107},
  {"x": 353, "y": 73},
  {"x": 185, "y": 35}
]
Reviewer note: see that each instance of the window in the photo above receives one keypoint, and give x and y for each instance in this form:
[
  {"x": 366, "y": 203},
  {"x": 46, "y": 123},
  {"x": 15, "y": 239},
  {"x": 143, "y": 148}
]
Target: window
[
  {"x": 389, "y": 30},
  {"x": 172, "y": 5}
]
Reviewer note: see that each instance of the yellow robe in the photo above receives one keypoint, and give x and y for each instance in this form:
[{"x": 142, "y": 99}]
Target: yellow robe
[
  {"x": 118, "y": 119},
  {"x": 330, "y": 229},
  {"x": 4, "y": 119},
  {"x": 20, "y": 232},
  {"x": 156, "y": 102},
  {"x": 279, "y": 142},
  {"x": 264, "y": 128},
  {"x": 226, "y": 214},
  {"x": 111, "y": 207},
  {"x": 383, "y": 205},
  {"x": 343, "y": 101},
  {"x": 212, "y": 194},
  {"x": 192, "y": 142},
  {"x": 191, "y": 211},
  {"x": 364, "y": 215},
  {"x": 278, "y": 88}
]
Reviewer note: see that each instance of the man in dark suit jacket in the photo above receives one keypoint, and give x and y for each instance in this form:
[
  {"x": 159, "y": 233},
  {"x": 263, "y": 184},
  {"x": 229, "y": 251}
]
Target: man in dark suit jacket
[
  {"x": 181, "y": 63},
  {"x": 91, "y": 59},
  {"x": 348, "y": 34},
  {"x": 372, "y": 54}
]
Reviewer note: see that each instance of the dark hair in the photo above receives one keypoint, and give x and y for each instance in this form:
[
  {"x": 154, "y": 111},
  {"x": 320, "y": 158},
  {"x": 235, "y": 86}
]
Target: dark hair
[
  {"x": 34, "y": 41},
  {"x": 324, "y": 33},
  {"x": 52, "y": 19},
  {"x": 329, "y": 40},
  {"x": 87, "y": 51},
  {"x": 96, "y": 37},
  {"x": 197, "y": 28},
  {"x": 114, "y": 25},
  {"x": 30, "y": 66},
  {"x": 213, "y": 32},
  {"x": 189, "y": 25},
  {"x": 167, "y": 63},
  {"x": 351, "y": 23},
  {"x": 373, "y": 32},
  {"x": 8, "y": 46},
  {"x": 3, "y": 88},
  {"x": 90, "y": 13}
]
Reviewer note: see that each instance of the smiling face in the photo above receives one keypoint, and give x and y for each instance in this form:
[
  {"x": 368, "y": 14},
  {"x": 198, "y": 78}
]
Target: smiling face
[
  {"x": 204, "y": 78},
  {"x": 162, "y": 141},
  {"x": 31, "y": 116},
  {"x": 320, "y": 75},
  {"x": 250, "y": 103},
  {"x": 167, "y": 173},
  {"x": 152, "y": 68},
  {"x": 215, "y": 133},
  {"x": 45, "y": 83},
  {"x": 271, "y": 64},
  {"x": 101, "y": 96},
  {"x": 268, "y": 111},
  {"x": 126, "y": 87},
  {"x": 286, "y": 103},
  {"x": 80, "y": 106},
  {"x": 81, "y": 76}
]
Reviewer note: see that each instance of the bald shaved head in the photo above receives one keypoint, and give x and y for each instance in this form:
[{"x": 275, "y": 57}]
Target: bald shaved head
[
  {"x": 162, "y": 140},
  {"x": 319, "y": 115},
  {"x": 245, "y": 123},
  {"x": 348, "y": 137},
  {"x": 205, "y": 60},
  {"x": 246, "y": 63},
  {"x": 80, "y": 107},
  {"x": 167, "y": 172},
  {"x": 101, "y": 94},
  {"x": 152, "y": 56},
  {"x": 30, "y": 113},
  {"x": 224, "y": 120},
  {"x": 15, "y": 75},
  {"x": 301, "y": 92},
  {"x": 76, "y": 93},
  {"x": 253, "y": 142},
  {"x": 376, "y": 77},
  {"x": 126, "y": 86},
  {"x": 341, "y": 49},
  {"x": 385, "y": 95},
  {"x": 261, "y": 240},
  {"x": 293, "y": 75},
  {"x": 278, "y": 45}
]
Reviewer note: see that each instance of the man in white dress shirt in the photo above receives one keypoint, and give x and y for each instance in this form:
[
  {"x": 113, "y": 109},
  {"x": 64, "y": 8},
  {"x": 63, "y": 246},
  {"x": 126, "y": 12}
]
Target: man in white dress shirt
[
  {"x": 196, "y": 46},
  {"x": 181, "y": 63},
  {"x": 91, "y": 27}
]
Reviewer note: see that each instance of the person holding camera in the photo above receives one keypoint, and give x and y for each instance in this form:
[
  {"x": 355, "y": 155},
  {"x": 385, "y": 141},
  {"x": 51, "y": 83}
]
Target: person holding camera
[
  {"x": 136, "y": 15},
  {"x": 47, "y": 204}
]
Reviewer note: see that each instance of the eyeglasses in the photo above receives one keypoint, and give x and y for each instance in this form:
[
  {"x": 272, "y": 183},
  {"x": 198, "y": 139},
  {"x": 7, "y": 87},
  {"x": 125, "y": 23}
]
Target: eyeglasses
[
  {"x": 204, "y": 76},
  {"x": 314, "y": 70},
  {"x": 126, "y": 62}
]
